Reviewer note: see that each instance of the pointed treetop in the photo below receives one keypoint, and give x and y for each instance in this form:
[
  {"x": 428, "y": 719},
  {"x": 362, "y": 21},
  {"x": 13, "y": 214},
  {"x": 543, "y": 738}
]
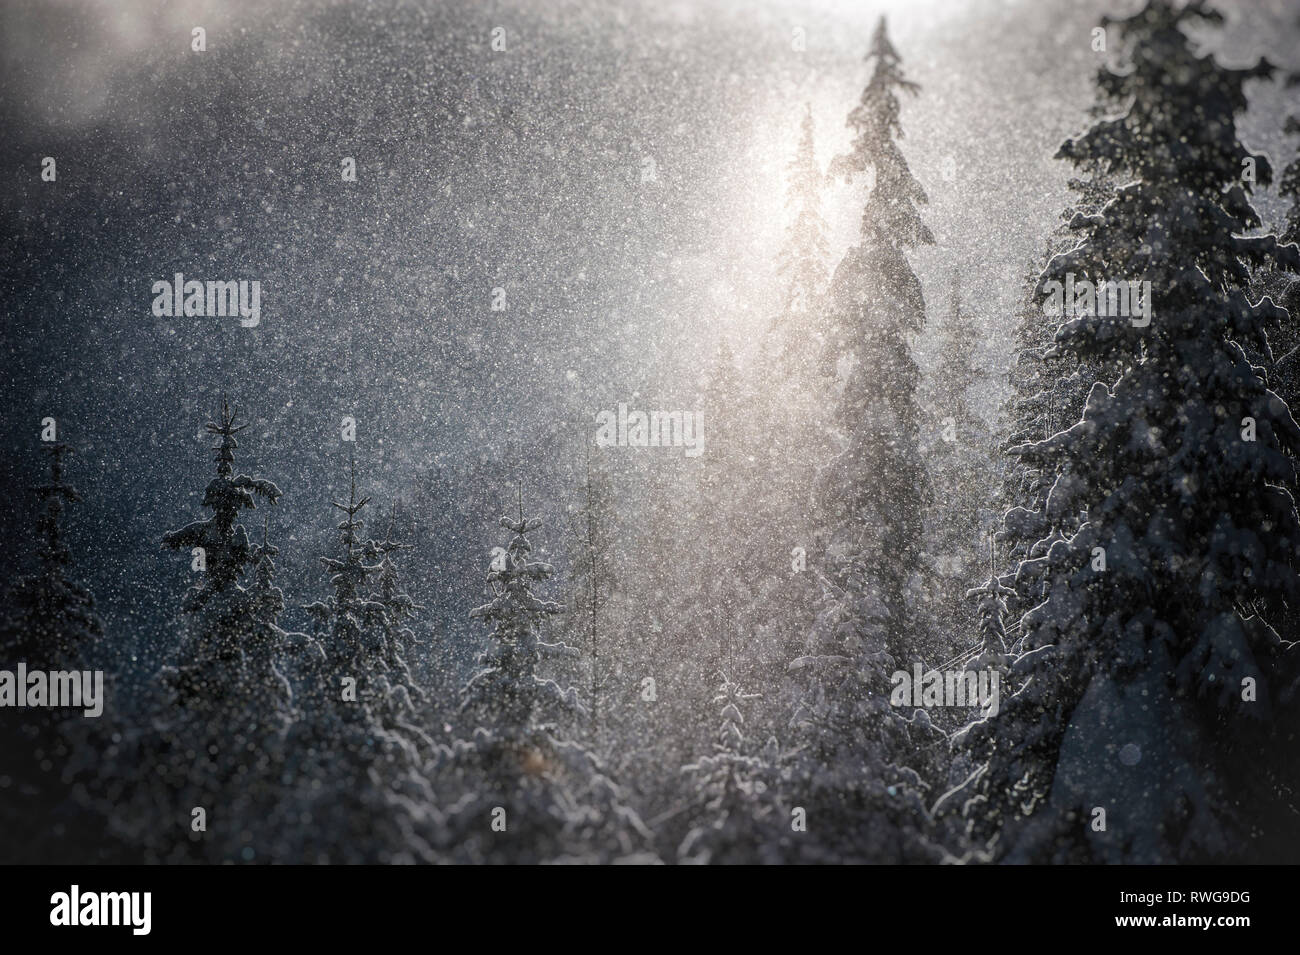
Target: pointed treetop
[
  {"x": 881, "y": 49},
  {"x": 889, "y": 217},
  {"x": 805, "y": 178},
  {"x": 389, "y": 544},
  {"x": 226, "y": 430},
  {"x": 353, "y": 505},
  {"x": 352, "y": 525}
]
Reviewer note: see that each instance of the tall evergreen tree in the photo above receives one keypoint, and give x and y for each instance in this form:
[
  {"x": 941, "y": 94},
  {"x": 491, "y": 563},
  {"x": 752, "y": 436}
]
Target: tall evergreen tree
[
  {"x": 1049, "y": 387},
  {"x": 51, "y": 625},
  {"x": 214, "y": 660},
  {"x": 507, "y": 688},
  {"x": 731, "y": 791},
  {"x": 1043, "y": 389},
  {"x": 847, "y": 767},
  {"x": 1282, "y": 286},
  {"x": 356, "y": 749},
  {"x": 355, "y": 627},
  {"x": 1289, "y": 184},
  {"x": 794, "y": 402},
  {"x": 215, "y": 742},
  {"x": 1149, "y": 665},
  {"x": 400, "y": 608},
  {"x": 798, "y": 330},
  {"x": 521, "y": 791},
  {"x": 875, "y": 492},
  {"x": 52, "y": 618}
]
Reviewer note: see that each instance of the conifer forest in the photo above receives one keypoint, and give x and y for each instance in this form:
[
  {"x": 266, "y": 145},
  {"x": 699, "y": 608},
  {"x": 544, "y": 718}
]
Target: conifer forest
[{"x": 650, "y": 431}]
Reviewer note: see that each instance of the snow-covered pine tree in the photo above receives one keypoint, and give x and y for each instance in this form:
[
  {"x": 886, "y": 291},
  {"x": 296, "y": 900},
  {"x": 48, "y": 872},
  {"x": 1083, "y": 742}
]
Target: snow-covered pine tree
[
  {"x": 355, "y": 752},
  {"x": 212, "y": 663},
  {"x": 51, "y": 625},
  {"x": 991, "y": 610},
  {"x": 353, "y": 626},
  {"x": 735, "y": 817},
  {"x": 271, "y": 648},
  {"x": 215, "y": 739},
  {"x": 1289, "y": 184},
  {"x": 797, "y": 333},
  {"x": 1048, "y": 392},
  {"x": 249, "y": 806},
  {"x": 959, "y": 812},
  {"x": 507, "y": 688},
  {"x": 1282, "y": 286},
  {"x": 399, "y": 610},
  {"x": 794, "y": 401},
  {"x": 846, "y": 769},
  {"x": 520, "y": 791},
  {"x": 1040, "y": 405},
  {"x": 52, "y": 619},
  {"x": 1180, "y": 467},
  {"x": 874, "y": 494}
]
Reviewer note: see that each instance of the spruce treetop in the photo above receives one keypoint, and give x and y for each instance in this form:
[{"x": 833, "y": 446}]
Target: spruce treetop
[
  {"x": 54, "y": 619},
  {"x": 223, "y": 539},
  {"x": 507, "y": 684},
  {"x": 890, "y": 216},
  {"x": 352, "y": 572},
  {"x": 802, "y": 259}
]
